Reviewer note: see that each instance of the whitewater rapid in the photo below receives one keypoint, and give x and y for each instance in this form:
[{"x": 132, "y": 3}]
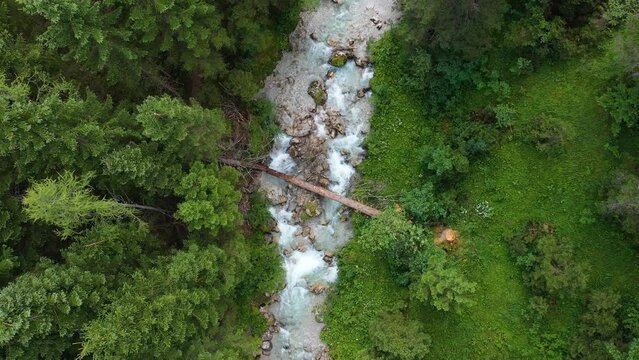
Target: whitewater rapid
[{"x": 321, "y": 144}]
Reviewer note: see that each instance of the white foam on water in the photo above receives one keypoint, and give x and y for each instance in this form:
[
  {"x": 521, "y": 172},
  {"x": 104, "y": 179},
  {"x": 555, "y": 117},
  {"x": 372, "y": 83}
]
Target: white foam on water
[{"x": 297, "y": 336}]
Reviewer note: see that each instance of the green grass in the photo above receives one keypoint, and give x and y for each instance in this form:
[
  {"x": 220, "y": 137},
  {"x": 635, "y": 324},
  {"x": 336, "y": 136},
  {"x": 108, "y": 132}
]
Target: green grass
[{"x": 521, "y": 184}]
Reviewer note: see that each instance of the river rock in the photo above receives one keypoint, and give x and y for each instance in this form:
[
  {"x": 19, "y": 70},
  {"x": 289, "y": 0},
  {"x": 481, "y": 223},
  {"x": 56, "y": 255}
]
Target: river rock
[
  {"x": 302, "y": 126},
  {"x": 341, "y": 56},
  {"x": 362, "y": 62},
  {"x": 306, "y": 231},
  {"x": 317, "y": 90},
  {"x": 268, "y": 336},
  {"x": 267, "y": 346},
  {"x": 328, "y": 257},
  {"x": 324, "y": 182},
  {"x": 334, "y": 124},
  {"x": 301, "y": 247},
  {"x": 318, "y": 288}
]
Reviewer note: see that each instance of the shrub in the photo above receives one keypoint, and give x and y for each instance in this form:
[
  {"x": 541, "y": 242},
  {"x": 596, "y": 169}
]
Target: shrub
[
  {"x": 622, "y": 103},
  {"x": 599, "y": 326},
  {"x": 399, "y": 240},
  {"x": 547, "y": 134},
  {"x": 505, "y": 116},
  {"x": 424, "y": 205},
  {"x": 414, "y": 260},
  {"x": 443, "y": 286},
  {"x": 619, "y": 10},
  {"x": 547, "y": 262},
  {"x": 442, "y": 162},
  {"x": 622, "y": 202},
  {"x": 397, "y": 338}
]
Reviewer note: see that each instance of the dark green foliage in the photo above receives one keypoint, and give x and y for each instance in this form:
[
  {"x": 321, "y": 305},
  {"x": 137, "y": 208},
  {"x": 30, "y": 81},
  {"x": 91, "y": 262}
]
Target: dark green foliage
[
  {"x": 547, "y": 262},
  {"x": 425, "y": 205},
  {"x": 167, "y": 42},
  {"x": 416, "y": 261},
  {"x": 598, "y": 326},
  {"x": 113, "y": 250},
  {"x": 622, "y": 202},
  {"x": 43, "y": 311},
  {"x": 622, "y": 103},
  {"x": 548, "y": 134},
  {"x": 463, "y": 26},
  {"x": 90, "y": 134},
  {"x": 443, "y": 285},
  {"x": 210, "y": 198},
  {"x": 442, "y": 163},
  {"x": 631, "y": 354},
  {"x": 397, "y": 338},
  {"x": 167, "y": 311},
  {"x": 618, "y": 11}
]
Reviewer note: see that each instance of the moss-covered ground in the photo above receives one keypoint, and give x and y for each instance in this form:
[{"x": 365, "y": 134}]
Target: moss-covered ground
[{"x": 520, "y": 184}]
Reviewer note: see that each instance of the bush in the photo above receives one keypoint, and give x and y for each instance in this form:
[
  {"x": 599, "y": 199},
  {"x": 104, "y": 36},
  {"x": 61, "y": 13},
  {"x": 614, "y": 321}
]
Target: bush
[
  {"x": 547, "y": 262},
  {"x": 423, "y": 204},
  {"x": 547, "y": 134},
  {"x": 443, "y": 163},
  {"x": 415, "y": 261},
  {"x": 599, "y": 326},
  {"x": 619, "y": 10},
  {"x": 622, "y": 103},
  {"x": 399, "y": 240},
  {"x": 622, "y": 202},
  {"x": 505, "y": 116},
  {"x": 397, "y": 338},
  {"x": 443, "y": 286}
]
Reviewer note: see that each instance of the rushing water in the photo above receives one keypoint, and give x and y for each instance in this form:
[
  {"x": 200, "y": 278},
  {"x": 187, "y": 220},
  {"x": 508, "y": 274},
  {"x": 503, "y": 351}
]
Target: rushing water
[{"x": 311, "y": 148}]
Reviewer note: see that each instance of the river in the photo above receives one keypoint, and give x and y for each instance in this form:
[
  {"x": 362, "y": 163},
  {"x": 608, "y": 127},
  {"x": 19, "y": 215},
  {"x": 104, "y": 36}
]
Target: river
[{"x": 321, "y": 142}]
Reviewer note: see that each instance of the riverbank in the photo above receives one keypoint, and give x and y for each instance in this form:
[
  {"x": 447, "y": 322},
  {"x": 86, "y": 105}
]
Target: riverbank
[
  {"x": 320, "y": 92},
  {"x": 519, "y": 184}
]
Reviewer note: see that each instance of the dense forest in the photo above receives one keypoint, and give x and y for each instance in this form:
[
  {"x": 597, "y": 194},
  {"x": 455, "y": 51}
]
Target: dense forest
[
  {"x": 121, "y": 236},
  {"x": 503, "y": 148}
]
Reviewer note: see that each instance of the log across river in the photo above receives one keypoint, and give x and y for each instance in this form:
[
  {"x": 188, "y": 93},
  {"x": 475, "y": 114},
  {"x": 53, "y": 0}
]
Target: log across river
[{"x": 364, "y": 209}]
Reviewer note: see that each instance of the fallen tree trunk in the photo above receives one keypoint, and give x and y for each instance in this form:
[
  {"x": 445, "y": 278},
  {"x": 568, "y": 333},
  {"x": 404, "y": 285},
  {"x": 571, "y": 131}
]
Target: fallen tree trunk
[{"x": 364, "y": 209}]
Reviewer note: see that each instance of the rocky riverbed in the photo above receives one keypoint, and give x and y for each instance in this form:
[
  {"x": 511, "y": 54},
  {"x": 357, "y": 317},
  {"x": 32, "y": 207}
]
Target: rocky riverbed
[{"x": 321, "y": 94}]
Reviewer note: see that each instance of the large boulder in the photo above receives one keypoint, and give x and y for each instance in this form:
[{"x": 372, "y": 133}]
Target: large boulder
[{"x": 317, "y": 90}]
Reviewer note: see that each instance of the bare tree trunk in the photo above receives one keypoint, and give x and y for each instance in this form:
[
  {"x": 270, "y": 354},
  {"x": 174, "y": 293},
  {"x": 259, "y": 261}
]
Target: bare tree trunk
[{"x": 364, "y": 209}]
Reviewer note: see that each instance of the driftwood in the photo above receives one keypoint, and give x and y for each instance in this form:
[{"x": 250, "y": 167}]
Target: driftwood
[{"x": 364, "y": 209}]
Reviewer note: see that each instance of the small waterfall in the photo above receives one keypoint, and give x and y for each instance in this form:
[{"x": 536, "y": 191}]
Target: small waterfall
[{"x": 321, "y": 144}]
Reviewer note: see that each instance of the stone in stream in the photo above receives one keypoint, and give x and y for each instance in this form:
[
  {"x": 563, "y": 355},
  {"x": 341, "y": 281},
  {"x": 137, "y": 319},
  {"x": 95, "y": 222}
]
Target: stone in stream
[
  {"x": 328, "y": 257},
  {"x": 317, "y": 90},
  {"x": 318, "y": 288},
  {"x": 338, "y": 59},
  {"x": 341, "y": 56},
  {"x": 362, "y": 62},
  {"x": 267, "y": 346}
]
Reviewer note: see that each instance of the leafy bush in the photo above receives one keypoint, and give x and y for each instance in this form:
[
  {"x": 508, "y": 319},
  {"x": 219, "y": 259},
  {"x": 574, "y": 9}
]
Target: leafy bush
[
  {"x": 619, "y": 10},
  {"x": 399, "y": 240},
  {"x": 443, "y": 286},
  {"x": 547, "y": 262},
  {"x": 622, "y": 103},
  {"x": 416, "y": 261},
  {"x": 622, "y": 202},
  {"x": 599, "y": 325},
  {"x": 505, "y": 116},
  {"x": 547, "y": 134},
  {"x": 397, "y": 338},
  {"x": 424, "y": 204},
  {"x": 442, "y": 162}
]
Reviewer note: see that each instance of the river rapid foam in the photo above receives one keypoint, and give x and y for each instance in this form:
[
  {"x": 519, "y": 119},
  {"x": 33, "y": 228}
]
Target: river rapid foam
[{"x": 321, "y": 144}]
